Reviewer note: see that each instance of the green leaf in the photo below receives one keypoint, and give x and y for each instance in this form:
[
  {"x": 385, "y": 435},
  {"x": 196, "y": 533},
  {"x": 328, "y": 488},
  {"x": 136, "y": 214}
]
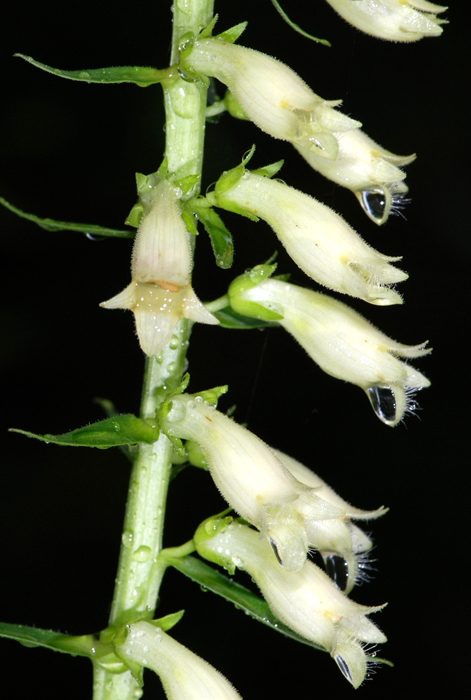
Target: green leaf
[
  {"x": 296, "y": 27},
  {"x": 243, "y": 599},
  {"x": 269, "y": 170},
  {"x": 166, "y": 623},
  {"x": 84, "y": 645},
  {"x": 140, "y": 75},
  {"x": 228, "y": 318},
  {"x": 220, "y": 237},
  {"x": 207, "y": 31},
  {"x": 231, "y": 35},
  {"x": 126, "y": 429},
  {"x": 53, "y": 225}
]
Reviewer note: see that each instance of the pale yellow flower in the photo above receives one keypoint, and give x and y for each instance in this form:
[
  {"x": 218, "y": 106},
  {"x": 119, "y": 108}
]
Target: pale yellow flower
[
  {"x": 184, "y": 675},
  {"x": 160, "y": 293},
  {"x": 395, "y": 20},
  {"x": 342, "y": 343},
  {"x": 306, "y": 600},
  {"x": 256, "y": 484},
  {"x": 319, "y": 241},
  {"x": 272, "y": 95}
]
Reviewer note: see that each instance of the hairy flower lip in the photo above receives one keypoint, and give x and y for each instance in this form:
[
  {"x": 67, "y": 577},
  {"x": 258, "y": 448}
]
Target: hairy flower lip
[
  {"x": 393, "y": 20},
  {"x": 307, "y": 601},
  {"x": 184, "y": 675},
  {"x": 363, "y": 166},
  {"x": 355, "y": 542},
  {"x": 319, "y": 241},
  {"x": 342, "y": 342}
]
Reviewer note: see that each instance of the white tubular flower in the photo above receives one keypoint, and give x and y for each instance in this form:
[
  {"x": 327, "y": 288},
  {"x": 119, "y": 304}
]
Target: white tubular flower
[
  {"x": 160, "y": 293},
  {"x": 371, "y": 172},
  {"x": 394, "y": 20},
  {"x": 184, "y": 675},
  {"x": 272, "y": 95},
  {"x": 254, "y": 481},
  {"x": 307, "y": 600},
  {"x": 342, "y": 343},
  {"x": 346, "y": 572},
  {"x": 319, "y": 241}
]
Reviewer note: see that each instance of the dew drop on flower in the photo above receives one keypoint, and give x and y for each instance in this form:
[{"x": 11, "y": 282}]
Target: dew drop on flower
[
  {"x": 384, "y": 403},
  {"x": 374, "y": 204},
  {"x": 337, "y": 569},
  {"x": 343, "y": 667}
]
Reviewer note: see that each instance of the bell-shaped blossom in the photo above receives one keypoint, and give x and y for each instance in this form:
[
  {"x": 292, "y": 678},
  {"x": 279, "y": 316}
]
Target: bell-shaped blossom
[
  {"x": 371, "y": 172},
  {"x": 342, "y": 343},
  {"x": 256, "y": 484},
  {"x": 394, "y": 20},
  {"x": 342, "y": 554},
  {"x": 306, "y": 600},
  {"x": 272, "y": 95},
  {"x": 184, "y": 675},
  {"x": 160, "y": 293},
  {"x": 319, "y": 241}
]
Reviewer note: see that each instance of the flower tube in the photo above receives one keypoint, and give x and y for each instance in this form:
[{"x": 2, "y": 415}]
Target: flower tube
[
  {"x": 272, "y": 95},
  {"x": 394, "y": 20},
  {"x": 160, "y": 293},
  {"x": 307, "y": 601},
  {"x": 184, "y": 675},
  {"x": 341, "y": 342},
  {"x": 319, "y": 241},
  {"x": 371, "y": 172},
  {"x": 256, "y": 484}
]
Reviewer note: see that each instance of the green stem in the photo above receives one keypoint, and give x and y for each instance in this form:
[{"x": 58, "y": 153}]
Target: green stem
[{"x": 140, "y": 570}]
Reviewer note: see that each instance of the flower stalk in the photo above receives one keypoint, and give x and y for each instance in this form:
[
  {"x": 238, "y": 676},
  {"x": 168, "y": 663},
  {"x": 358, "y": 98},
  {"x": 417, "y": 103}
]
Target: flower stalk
[{"x": 139, "y": 570}]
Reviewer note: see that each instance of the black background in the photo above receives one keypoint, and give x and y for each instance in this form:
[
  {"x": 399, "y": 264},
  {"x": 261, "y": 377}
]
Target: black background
[{"x": 69, "y": 151}]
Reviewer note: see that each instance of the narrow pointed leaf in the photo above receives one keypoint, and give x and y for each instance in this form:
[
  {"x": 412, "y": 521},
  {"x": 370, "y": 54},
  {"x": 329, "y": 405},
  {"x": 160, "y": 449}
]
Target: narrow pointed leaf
[
  {"x": 140, "y": 75},
  {"x": 53, "y": 225},
  {"x": 84, "y": 645},
  {"x": 245, "y": 600},
  {"x": 111, "y": 432}
]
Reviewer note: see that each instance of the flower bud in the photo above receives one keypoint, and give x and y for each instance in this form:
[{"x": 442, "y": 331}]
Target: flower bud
[
  {"x": 371, "y": 172},
  {"x": 319, "y": 241},
  {"x": 184, "y": 675},
  {"x": 272, "y": 95},
  {"x": 306, "y": 600},
  {"x": 345, "y": 345},
  {"x": 395, "y": 20},
  {"x": 160, "y": 293}
]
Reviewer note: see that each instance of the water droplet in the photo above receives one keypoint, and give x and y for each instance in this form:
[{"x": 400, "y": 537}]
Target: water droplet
[
  {"x": 83, "y": 75},
  {"x": 204, "y": 589},
  {"x": 171, "y": 367},
  {"x": 376, "y": 204},
  {"x": 343, "y": 667},
  {"x": 337, "y": 569},
  {"x": 275, "y": 550},
  {"x": 174, "y": 342},
  {"x": 142, "y": 553},
  {"x": 127, "y": 538},
  {"x": 383, "y": 401},
  {"x": 91, "y": 237}
]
